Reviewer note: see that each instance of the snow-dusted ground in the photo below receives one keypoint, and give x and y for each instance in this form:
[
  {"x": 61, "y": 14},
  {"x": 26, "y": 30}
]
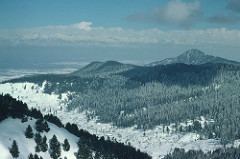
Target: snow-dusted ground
[
  {"x": 154, "y": 142},
  {"x": 13, "y": 129}
]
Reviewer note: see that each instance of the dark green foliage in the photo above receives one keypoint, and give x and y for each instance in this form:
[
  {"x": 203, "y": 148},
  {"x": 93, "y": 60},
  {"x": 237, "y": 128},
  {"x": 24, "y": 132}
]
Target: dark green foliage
[
  {"x": 29, "y": 132},
  {"x": 38, "y": 140},
  {"x": 227, "y": 153},
  {"x": 53, "y": 119},
  {"x": 66, "y": 145},
  {"x": 41, "y": 143},
  {"x": 98, "y": 155},
  {"x": 168, "y": 130},
  {"x": 14, "y": 149},
  {"x": 41, "y": 125},
  {"x": 44, "y": 145},
  {"x": 35, "y": 113},
  {"x": 197, "y": 125},
  {"x": 30, "y": 156},
  {"x": 35, "y": 156},
  {"x": 37, "y": 148},
  {"x": 24, "y": 119},
  {"x": 175, "y": 74},
  {"x": 83, "y": 152},
  {"x": 54, "y": 148},
  {"x": 10, "y": 107}
]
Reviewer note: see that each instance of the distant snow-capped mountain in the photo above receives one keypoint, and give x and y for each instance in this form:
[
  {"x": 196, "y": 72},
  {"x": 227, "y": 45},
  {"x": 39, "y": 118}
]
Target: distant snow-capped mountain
[{"x": 193, "y": 57}]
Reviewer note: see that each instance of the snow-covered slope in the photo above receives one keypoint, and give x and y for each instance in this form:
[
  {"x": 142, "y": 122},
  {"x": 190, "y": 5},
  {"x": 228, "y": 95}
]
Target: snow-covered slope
[
  {"x": 155, "y": 142},
  {"x": 13, "y": 129}
]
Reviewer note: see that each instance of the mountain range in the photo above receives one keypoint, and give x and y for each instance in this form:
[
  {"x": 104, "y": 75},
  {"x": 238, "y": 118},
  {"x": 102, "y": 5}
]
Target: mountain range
[
  {"x": 190, "y": 101},
  {"x": 189, "y": 57}
]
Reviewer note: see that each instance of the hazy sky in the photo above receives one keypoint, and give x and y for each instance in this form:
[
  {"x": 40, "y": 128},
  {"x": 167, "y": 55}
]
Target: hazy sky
[{"x": 126, "y": 30}]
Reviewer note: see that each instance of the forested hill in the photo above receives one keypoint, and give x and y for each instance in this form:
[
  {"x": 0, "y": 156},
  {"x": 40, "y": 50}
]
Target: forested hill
[
  {"x": 41, "y": 127},
  {"x": 179, "y": 73},
  {"x": 102, "y": 69}
]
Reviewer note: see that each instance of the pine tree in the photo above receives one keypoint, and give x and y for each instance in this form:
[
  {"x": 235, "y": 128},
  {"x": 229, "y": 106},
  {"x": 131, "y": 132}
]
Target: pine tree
[
  {"x": 36, "y": 156},
  {"x": 29, "y": 132},
  {"x": 14, "y": 150},
  {"x": 98, "y": 155},
  {"x": 168, "y": 130},
  {"x": 197, "y": 125},
  {"x": 37, "y": 148},
  {"x": 42, "y": 125},
  {"x": 55, "y": 148},
  {"x": 39, "y": 125},
  {"x": 24, "y": 119},
  {"x": 66, "y": 145},
  {"x": 83, "y": 152},
  {"x": 44, "y": 145},
  {"x": 181, "y": 128},
  {"x": 45, "y": 126},
  {"x": 38, "y": 140},
  {"x": 30, "y": 156}
]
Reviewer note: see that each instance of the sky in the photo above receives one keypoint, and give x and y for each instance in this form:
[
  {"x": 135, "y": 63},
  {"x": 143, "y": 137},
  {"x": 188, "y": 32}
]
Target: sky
[{"x": 136, "y": 31}]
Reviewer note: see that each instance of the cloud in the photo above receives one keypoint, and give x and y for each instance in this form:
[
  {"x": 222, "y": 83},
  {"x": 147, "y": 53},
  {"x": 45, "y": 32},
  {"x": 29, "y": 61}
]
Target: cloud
[
  {"x": 174, "y": 12},
  {"x": 224, "y": 19},
  {"x": 83, "y": 26},
  {"x": 186, "y": 14},
  {"x": 75, "y": 34},
  {"x": 234, "y": 5}
]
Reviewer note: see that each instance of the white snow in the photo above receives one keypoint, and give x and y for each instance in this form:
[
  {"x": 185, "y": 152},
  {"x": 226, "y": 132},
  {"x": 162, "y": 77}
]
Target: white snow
[
  {"x": 154, "y": 142},
  {"x": 13, "y": 129}
]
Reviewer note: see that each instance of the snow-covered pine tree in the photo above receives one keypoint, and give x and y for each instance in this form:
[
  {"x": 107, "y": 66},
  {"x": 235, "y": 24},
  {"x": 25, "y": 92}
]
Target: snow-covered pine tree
[
  {"x": 83, "y": 152},
  {"x": 36, "y": 156},
  {"x": 44, "y": 145},
  {"x": 14, "y": 149},
  {"x": 38, "y": 140},
  {"x": 66, "y": 145},
  {"x": 29, "y": 132},
  {"x": 42, "y": 125},
  {"x": 54, "y": 148},
  {"x": 98, "y": 155},
  {"x": 30, "y": 156}
]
